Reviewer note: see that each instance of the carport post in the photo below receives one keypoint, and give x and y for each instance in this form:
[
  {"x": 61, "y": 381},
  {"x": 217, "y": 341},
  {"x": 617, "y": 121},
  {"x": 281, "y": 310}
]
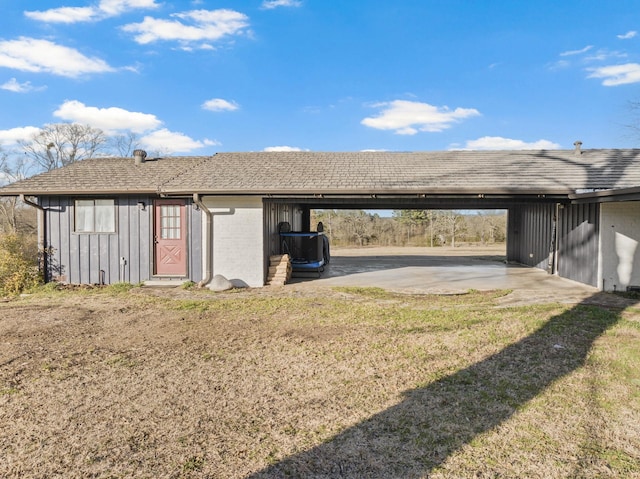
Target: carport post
[{"x": 306, "y": 218}]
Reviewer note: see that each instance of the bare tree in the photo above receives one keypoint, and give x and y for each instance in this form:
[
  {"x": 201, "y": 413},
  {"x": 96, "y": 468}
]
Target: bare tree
[
  {"x": 634, "y": 106},
  {"x": 12, "y": 168},
  {"x": 453, "y": 224},
  {"x": 411, "y": 219},
  {"x": 360, "y": 224},
  {"x": 8, "y": 217},
  {"x": 61, "y": 144},
  {"x": 123, "y": 145}
]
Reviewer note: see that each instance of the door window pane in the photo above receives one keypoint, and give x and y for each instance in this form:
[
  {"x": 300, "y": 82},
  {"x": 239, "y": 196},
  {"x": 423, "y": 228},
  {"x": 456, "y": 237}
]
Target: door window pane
[{"x": 170, "y": 222}]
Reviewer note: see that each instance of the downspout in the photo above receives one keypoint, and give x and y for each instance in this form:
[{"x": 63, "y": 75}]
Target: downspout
[
  {"x": 208, "y": 247},
  {"x": 42, "y": 235}
]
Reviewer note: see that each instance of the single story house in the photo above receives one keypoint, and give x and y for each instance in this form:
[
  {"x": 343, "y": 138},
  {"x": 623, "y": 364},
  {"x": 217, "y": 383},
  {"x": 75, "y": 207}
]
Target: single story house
[{"x": 574, "y": 213}]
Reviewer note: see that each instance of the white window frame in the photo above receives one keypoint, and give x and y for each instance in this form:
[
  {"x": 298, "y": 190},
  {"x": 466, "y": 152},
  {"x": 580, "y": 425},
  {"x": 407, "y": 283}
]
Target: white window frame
[{"x": 95, "y": 216}]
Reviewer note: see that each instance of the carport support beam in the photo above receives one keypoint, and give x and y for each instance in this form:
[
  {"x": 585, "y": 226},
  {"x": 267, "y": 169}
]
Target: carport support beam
[{"x": 306, "y": 218}]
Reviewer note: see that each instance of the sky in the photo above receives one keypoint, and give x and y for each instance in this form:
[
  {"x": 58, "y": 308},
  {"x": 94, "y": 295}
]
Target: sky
[{"x": 204, "y": 76}]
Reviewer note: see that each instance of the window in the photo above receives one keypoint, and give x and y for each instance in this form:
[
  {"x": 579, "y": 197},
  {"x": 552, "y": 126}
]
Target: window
[
  {"x": 170, "y": 222},
  {"x": 95, "y": 216}
]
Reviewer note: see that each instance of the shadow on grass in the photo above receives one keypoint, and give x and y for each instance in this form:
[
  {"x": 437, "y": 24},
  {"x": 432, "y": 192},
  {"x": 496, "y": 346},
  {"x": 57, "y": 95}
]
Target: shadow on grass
[{"x": 412, "y": 438}]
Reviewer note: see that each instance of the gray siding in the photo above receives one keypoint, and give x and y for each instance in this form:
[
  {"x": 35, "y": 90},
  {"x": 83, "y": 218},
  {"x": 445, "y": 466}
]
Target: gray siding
[
  {"x": 530, "y": 233},
  {"x": 578, "y": 232},
  {"x": 274, "y": 214},
  {"x": 94, "y": 258}
]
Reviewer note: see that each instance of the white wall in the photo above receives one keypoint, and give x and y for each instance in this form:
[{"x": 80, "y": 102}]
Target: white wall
[
  {"x": 238, "y": 251},
  {"x": 619, "y": 253}
]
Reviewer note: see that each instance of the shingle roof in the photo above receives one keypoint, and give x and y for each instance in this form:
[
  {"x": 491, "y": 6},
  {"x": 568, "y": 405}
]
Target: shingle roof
[
  {"x": 105, "y": 175},
  {"x": 455, "y": 172}
]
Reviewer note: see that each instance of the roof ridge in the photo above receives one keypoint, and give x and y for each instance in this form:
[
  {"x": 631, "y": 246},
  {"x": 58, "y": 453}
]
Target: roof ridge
[{"x": 184, "y": 170}]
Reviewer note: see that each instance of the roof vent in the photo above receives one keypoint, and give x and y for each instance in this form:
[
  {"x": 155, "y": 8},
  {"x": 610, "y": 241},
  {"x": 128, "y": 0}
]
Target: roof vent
[
  {"x": 577, "y": 151},
  {"x": 139, "y": 156}
]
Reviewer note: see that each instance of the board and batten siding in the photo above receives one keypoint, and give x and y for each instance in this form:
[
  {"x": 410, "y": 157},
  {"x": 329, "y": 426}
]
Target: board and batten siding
[
  {"x": 95, "y": 258},
  {"x": 578, "y": 242},
  {"x": 530, "y": 230},
  {"x": 275, "y": 213}
]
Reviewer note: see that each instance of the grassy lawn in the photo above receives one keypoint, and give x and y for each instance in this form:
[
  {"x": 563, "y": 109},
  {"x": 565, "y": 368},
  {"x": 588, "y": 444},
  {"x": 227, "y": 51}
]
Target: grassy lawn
[{"x": 334, "y": 383}]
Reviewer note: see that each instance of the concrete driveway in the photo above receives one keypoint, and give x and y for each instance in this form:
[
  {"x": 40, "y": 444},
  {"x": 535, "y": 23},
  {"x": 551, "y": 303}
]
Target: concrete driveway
[{"x": 442, "y": 271}]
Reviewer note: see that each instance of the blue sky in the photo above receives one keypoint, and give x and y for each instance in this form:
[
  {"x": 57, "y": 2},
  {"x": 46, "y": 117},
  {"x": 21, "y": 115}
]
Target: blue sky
[{"x": 197, "y": 77}]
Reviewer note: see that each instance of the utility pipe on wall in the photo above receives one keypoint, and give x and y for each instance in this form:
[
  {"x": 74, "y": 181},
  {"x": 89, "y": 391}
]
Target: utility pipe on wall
[{"x": 208, "y": 247}]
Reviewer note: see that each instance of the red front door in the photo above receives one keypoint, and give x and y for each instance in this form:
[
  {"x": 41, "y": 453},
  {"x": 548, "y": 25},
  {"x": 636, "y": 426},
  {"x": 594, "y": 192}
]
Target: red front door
[{"x": 170, "y": 238}]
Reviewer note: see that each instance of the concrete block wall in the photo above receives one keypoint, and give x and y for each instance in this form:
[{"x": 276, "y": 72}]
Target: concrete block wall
[
  {"x": 238, "y": 244},
  {"x": 619, "y": 253}
]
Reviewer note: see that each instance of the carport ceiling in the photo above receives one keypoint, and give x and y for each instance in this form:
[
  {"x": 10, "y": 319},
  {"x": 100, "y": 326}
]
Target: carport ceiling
[{"x": 423, "y": 202}]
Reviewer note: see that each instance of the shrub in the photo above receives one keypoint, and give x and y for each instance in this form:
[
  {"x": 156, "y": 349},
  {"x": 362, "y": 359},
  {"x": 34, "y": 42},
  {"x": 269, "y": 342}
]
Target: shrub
[{"x": 18, "y": 268}]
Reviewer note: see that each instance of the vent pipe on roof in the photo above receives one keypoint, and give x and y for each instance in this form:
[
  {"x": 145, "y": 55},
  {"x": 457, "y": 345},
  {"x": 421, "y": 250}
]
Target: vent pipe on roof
[
  {"x": 139, "y": 156},
  {"x": 577, "y": 151}
]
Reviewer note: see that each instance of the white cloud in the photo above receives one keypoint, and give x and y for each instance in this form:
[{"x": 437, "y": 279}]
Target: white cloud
[
  {"x": 218, "y": 104},
  {"x": 43, "y": 56},
  {"x": 107, "y": 119},
  {"x": 117, "y": 7},
  {"x": 628, "y": 35},
  {"x": 603, "y": 54},
  {"x": 559, "y": 65},
  {"x": 283, "y": 148},
  {"x": 114, "y": 120},
  {"x": 105, "y": 9},
  {"x": 170, "y": 142},
  {"x": 17, "y": 87},
  {"x": 64, "y": 15},
  {"x": 12, "y": 136},
  {"x": 615, "y": 75},
  {"x": 410, "y": 117},
  {"x": 576, "y": 52},
  {"x": 190, "y": 27},
  {"x": 271, "y": 4},
  {"x": 500, "y": 143}
]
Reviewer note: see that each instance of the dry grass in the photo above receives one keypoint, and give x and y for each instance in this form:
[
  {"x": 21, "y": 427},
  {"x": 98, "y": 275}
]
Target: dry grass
[{"x": 333, "y": 383}]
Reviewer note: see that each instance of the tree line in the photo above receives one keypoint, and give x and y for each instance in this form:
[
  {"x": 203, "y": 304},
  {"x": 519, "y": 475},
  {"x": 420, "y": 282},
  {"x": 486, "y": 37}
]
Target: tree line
[{"x": 412, "y": 227}]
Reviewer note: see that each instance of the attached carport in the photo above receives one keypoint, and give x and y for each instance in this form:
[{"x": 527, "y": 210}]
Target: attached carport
[
  {"x": 553, "y": 213},
  {"x": 531, "y": 219}
]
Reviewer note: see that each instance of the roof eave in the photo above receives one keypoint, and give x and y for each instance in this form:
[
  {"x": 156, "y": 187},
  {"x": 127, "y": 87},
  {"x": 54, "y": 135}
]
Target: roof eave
[
  {"x": 605, "y": 196},
  {"x": 94, "y": 192},
  {"x": 479, "y": 192}
]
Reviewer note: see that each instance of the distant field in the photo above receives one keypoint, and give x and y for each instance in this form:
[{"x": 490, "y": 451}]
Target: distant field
[
  {"x": 112, "y": 383},
  {"x": 463, "y": 250}
]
